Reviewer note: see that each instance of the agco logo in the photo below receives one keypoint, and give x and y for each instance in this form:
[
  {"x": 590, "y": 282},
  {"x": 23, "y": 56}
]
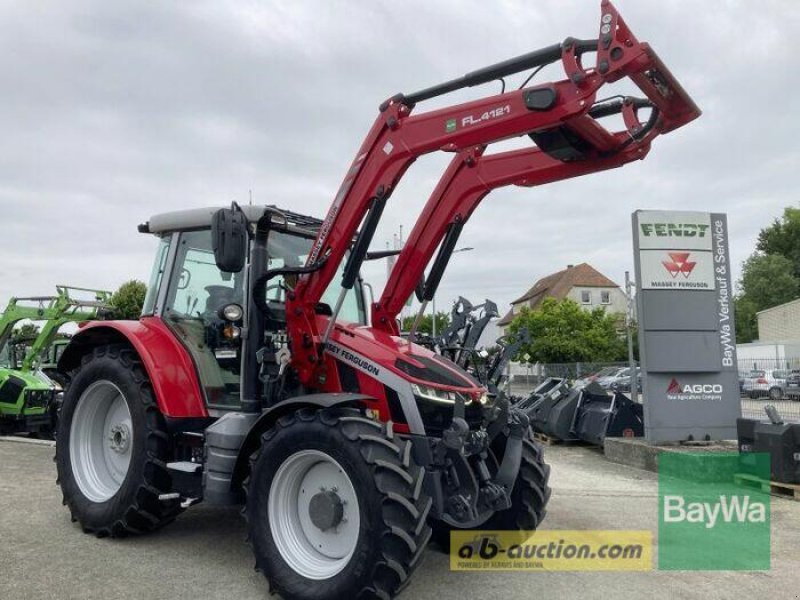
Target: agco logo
[
  {"x": 697, "y": 391},
  {"x": 679, "y": 263}
]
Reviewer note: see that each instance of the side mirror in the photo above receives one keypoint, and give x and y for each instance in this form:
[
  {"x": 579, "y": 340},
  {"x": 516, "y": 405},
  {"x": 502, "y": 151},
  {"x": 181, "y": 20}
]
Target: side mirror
[{"x": 229, "y": 239}]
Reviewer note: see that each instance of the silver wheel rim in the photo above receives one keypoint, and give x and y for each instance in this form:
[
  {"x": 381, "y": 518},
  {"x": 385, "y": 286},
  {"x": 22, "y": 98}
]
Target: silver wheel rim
[
  {"x": 101, "y": 441},
  {"x": 309, "y": 550}
]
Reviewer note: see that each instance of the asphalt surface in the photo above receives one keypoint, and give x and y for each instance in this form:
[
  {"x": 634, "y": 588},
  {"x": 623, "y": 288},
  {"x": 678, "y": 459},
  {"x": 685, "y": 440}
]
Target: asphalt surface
[{"x": 203, "y": 554}]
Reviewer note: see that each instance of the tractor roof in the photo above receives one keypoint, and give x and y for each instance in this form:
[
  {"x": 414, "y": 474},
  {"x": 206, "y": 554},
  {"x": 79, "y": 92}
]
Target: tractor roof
[{"x": 200, "y": 218}]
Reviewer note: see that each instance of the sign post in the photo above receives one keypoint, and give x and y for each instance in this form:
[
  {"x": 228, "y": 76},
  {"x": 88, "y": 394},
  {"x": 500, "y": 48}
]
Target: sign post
[{"x": 687, "y": 341}]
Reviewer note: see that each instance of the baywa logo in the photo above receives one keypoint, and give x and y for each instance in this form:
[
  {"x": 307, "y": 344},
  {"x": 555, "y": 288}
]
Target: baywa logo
[
  {"x": 729, "y": 508},
  {"x": 696, "y": 391},
  {"x": 710, "y": 518},
  {"x": 679, "y": 263}
]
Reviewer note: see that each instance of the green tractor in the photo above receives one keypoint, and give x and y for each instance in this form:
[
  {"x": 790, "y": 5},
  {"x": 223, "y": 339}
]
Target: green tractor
[{"x": 30, "y": 386}]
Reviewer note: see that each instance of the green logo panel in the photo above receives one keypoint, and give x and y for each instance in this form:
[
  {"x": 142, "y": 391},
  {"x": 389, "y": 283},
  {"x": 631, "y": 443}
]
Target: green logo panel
[{"x": 712, "y": 513}]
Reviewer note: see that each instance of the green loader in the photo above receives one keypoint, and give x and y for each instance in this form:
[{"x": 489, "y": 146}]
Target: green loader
[{"x": 30, "y": 390}]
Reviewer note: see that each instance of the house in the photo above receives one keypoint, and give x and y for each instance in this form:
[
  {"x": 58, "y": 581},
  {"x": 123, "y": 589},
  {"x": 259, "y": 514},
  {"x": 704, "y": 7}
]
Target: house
[
  {"x": 780, "y": 323},
  {"x": 582, "y": 283}
]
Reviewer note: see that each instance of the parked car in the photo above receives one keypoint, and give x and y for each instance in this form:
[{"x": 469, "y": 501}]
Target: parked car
[
  {"x": 604, "y": 372},
  {"x": 792, "y": 389},
  {"x": 623, "y": 384},
  {"x": 765, "y": 383},
  {"x": 610, "y": 380}
]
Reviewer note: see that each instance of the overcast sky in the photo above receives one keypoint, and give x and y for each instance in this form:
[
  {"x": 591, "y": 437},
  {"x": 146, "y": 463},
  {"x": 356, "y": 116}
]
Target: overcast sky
[{"x": 113, "y": 111}]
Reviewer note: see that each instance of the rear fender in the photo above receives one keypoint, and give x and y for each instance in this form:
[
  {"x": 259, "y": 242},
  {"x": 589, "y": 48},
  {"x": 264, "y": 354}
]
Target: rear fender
[
  {"x": 268, "y": 418},
  {"x": 168, "y": 364}
]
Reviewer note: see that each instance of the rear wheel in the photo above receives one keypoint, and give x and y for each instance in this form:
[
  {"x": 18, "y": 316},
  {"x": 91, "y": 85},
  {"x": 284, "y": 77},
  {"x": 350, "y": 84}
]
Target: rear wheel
[
  {"x": 335, "y": 507},
  {"x": 112, "y": 447},
  {"x": 529, "y": 497}
]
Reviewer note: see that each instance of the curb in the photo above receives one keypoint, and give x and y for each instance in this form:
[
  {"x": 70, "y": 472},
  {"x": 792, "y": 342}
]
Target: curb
[{"x": 24, "y": 440}]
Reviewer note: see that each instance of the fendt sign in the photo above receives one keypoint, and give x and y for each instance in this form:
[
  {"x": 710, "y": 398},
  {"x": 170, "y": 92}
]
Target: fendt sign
[{"x": 686, "y": 337}]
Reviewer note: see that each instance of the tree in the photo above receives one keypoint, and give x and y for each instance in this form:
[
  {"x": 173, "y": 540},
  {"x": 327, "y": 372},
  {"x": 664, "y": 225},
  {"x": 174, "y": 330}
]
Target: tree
[
  {"x": 783, "y": 238},
  {"x": 561, "y": 331},
  {"x": 128, "y": 300},
  {"x": 771, "y": 275},
  {"x": 768, "y": 280},
  {"x": 426, "y": 324},
  {"x": 746, "y": 321},
  {"x": 25, "y": 331}
]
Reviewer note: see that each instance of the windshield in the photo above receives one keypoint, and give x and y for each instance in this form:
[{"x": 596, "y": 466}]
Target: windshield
[
  {"x": 198, "y": 287},
  {"x": 197, "y": 290},
  {"x": 292, "y": 251}
]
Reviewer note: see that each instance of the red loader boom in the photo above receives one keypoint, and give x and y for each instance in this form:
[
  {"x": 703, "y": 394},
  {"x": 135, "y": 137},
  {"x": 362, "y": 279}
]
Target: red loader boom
[{"x": 562, "y": 118}]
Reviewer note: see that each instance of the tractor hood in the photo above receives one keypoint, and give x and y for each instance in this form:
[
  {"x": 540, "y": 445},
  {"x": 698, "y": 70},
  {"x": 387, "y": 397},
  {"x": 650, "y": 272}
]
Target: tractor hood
[{"x": 373, "y": 351}]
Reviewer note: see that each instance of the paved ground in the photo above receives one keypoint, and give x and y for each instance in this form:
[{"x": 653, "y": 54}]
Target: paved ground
[{"x": 203, "y": 555}]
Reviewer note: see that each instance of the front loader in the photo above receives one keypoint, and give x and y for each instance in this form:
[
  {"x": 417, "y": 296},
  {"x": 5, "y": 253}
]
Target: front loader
[
  {"x": 29, "y": 395},
  {"x": 259, "y": 375}
]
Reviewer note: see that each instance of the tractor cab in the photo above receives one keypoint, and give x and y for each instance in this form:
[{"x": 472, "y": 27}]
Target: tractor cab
[{"x": 205, "y": 307}]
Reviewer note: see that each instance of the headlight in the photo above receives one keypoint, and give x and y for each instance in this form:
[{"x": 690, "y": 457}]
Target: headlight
[
  {"x": 437, "y": 395},
  {"x": 232, "y": 332},
  {"x": 232, "y": 312}
]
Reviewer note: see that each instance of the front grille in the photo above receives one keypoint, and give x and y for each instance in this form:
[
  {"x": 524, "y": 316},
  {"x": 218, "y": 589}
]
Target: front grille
[
  {"x": 11, "y": 389},
  {"x": 437, "y": 416},
  {"x": 38, "y": 398}
]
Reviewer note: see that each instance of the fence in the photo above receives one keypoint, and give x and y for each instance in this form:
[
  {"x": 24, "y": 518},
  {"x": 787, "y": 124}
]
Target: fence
[{"x": 762, "y": 381}]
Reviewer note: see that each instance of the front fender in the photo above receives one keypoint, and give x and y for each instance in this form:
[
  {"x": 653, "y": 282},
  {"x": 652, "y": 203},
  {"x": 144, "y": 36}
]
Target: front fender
[
  {"x": 168, "y": 364},
  {"x": 267, "y": 419}
]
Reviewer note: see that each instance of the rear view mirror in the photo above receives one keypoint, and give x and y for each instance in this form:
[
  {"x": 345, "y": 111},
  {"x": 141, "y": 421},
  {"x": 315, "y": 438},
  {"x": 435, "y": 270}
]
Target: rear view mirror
[{"x": 229, "y": 239}]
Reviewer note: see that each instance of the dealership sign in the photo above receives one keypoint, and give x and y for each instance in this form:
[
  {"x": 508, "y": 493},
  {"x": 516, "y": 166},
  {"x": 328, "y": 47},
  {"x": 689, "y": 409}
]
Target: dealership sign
[
  {"x": 687, "y": 341},
  {"x": 689, "y": 270}
]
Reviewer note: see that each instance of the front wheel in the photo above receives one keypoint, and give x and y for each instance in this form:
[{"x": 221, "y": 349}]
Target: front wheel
[
  {"x": 775, "y": 394},
  {"x": 335, "y": 507},
  {"x": 112, "y": 447}
]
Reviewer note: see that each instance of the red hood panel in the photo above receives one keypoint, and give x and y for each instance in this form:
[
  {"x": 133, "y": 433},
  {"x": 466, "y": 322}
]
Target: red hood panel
[{"x": 419, "y": 364}]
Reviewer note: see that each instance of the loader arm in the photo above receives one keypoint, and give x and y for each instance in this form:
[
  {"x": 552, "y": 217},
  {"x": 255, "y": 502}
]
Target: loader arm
[
  {"x": 466, "y": 182},
  {"x": 55, "y": 311},
  {"x": 397, "y": 138}
]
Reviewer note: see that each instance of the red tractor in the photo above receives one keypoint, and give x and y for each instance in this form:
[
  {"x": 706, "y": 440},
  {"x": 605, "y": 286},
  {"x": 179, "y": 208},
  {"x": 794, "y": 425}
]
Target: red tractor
[{"x": 252, "y": 378}]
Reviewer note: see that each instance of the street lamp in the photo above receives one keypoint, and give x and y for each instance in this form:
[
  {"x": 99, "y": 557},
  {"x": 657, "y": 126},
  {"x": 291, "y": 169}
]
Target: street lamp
[{"x": 433, "y": 300}]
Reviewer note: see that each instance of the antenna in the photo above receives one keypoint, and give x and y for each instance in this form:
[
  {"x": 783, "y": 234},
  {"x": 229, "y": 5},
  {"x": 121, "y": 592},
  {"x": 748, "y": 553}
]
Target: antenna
[{"x": 251, "y": 197}]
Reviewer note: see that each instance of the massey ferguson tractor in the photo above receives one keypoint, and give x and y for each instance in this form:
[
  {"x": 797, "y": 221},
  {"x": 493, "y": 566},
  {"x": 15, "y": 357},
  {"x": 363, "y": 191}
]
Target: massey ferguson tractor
[{"x": 260, "y": 375}]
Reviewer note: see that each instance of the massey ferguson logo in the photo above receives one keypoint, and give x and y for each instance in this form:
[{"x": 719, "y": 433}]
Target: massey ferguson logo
[
  {"x": 679, "y": 263},
  {"x": 696, "y": 391}
]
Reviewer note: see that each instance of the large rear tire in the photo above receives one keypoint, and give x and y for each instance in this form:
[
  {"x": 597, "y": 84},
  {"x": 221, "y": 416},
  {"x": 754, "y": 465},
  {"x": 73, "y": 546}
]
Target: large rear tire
[
  {"x": 112, "y": 447},
  {"x": 335, "y": 507},
  {"x": 529, "y": 497}
]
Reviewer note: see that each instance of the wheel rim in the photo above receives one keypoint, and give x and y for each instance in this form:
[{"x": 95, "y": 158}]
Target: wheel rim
[
  {"x": 101, "y": 441},
  {"x": 314, "y": 514}
]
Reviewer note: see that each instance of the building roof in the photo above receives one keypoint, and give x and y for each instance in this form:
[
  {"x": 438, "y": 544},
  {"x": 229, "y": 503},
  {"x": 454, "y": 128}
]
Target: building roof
[
  {"x": 779, "y": 307},
  {"x": 557, "y": 285}
]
